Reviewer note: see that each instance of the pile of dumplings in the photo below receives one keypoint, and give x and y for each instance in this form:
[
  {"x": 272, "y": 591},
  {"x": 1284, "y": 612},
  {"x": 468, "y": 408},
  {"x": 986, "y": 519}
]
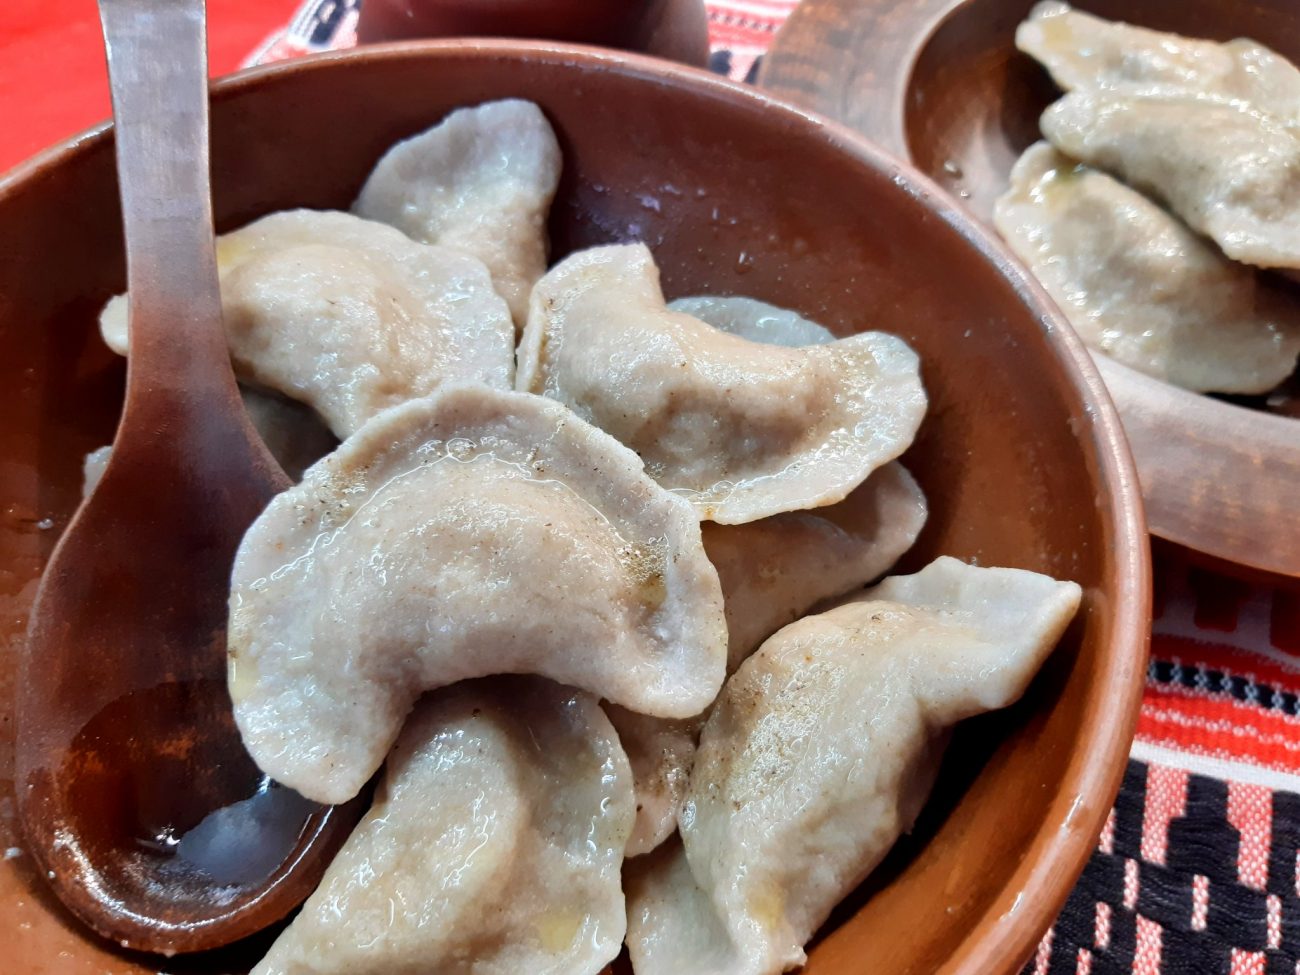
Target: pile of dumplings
[
  {"x": 1163, "y": 211},
  {"x": 551, "y": 564}
]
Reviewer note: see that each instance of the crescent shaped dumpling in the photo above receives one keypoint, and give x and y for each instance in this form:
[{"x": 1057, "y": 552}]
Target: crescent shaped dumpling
[
  {"x": 1229, "y": 171},
  {"x": 775, "y": 570},
  {"x": 754, "y": 320},
  {"x": 474, "y": 532},
  {"x": 351, "y": 316},
  {"x": 1140, "y": 286},
  {"x": 741, "y": 429},
  {"x": 1084, "y": 51},
  {"x": 772, "y": 572},
  {"x": 481, "y": 181},
  {"x": 821, "y": 751},
  {"x": 494, "y": 846}
]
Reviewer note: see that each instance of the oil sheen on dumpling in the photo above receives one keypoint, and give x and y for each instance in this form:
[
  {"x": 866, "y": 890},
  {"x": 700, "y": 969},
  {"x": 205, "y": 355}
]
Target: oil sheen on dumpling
[
  {"x": 1228, "y": 170},
  {"x": 1083, "y": 51},
  {"x": 754, "y": 320},
  {"x": 821, "y": 751},
  {"x": 474, "y": 532},
  {"x": 494, "y": 846},
  {"x": 742, "y": 429},
  {"x": 1140, "y": 286},
  {"x": 482, "y": 181},
  {"x": 351, "y": 316}
]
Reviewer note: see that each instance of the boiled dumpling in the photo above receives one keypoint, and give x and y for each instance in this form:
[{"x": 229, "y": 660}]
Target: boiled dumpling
[
  {"x": 350, "y": 316},
  {"x": 1138, "y": 285},
  {"x": 1229, "y": 171},
  {"x": 474, "y": 532},
  {"x": 1083, "y": 51},
  {"x": 482, "y": 181},
  {"x": 754, "y": 320},
  {"x": 820, "y": 753},
  {"x": 493, "y": 847},
  {"x": 742, "y": 430},
  {"x": 660, "y": 751},
  {"x": 775, "y": 570},
  {"x": 772, "y": 572}
]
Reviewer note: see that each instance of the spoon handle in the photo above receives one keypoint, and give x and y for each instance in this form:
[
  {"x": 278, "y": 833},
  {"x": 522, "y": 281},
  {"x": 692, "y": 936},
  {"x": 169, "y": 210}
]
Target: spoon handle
[{"x": 157, "y": 67}]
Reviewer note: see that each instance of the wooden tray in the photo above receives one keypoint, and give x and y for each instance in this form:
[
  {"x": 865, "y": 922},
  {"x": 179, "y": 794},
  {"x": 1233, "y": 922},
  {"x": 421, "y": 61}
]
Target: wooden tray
[{"x": 940, "y": 83}]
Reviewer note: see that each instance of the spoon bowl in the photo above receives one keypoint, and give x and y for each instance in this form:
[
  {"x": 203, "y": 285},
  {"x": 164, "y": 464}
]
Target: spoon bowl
[{"x": 138, "y": 800}]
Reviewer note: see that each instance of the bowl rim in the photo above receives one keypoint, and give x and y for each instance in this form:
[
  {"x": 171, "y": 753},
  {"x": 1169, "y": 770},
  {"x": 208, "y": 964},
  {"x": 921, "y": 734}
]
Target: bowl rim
[
  {"x": 1006, "y": 933},
  {"x": 1175, "y": 433}
]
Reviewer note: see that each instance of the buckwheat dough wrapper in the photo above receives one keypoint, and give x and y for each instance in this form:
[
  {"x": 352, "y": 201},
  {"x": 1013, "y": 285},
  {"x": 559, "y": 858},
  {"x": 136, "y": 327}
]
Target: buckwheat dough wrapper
[
  {"x": 350, "y": 316},
  {"x": 494, "y": 845},
  {"x": 1228, "y": 170},
  {"x": 475, "y": 532},
  {"x": 821, "y": 751},
  {"x": 480, "y": 181},
  {"x": 1141, "y": 287},
  {"x": 741, "y": 429}
]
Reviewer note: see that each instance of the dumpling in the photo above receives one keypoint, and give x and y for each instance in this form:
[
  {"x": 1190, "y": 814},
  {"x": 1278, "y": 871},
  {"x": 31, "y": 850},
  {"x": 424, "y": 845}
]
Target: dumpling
[
  {"x": 741, "y": 429},
  {"x": 821, "y": 751},
  {"x": 772, "y": 572},
  {"x": 474, "y": 532},
  {"x": 1229, "y": 171},
  {"x": 754, "y": 320},
  {"x": 350, "y": 316},
  {"x": 482, "y": 181},
  {"x": 1139, "y": 286},
  {"x": 660, "y": 751},
  {"x": 775, "y": 570},
  {"x": 1083, "y": 51},
  {"x": 494, "y": 846}
]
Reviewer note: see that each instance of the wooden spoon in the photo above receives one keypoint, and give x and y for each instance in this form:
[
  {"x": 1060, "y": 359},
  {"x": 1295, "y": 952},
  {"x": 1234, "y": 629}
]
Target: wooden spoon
[{"x": 139, "y": 801}]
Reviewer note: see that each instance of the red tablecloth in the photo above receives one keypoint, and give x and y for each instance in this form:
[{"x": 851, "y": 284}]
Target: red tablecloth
[{"x": 1198, "y": 869}]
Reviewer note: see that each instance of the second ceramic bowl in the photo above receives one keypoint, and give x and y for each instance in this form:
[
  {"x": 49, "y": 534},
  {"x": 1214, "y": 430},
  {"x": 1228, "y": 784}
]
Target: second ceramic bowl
[{"x": 941, "y": 83}]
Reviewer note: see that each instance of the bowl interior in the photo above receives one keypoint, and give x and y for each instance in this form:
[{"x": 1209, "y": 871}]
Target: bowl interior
[
  {"x": 973, "y": 101},
  {"x": 1020, "y": 454}
]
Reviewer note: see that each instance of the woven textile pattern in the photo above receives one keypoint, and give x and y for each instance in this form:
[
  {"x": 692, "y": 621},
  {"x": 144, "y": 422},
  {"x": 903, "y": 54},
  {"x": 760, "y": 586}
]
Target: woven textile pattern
[{"x": 1198, "y": 868}]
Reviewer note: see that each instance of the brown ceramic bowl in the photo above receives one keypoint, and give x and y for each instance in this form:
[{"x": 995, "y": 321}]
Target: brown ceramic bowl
[
  {"x": 1021, "y": 454},
  {"x": 941, "y": 83}
]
